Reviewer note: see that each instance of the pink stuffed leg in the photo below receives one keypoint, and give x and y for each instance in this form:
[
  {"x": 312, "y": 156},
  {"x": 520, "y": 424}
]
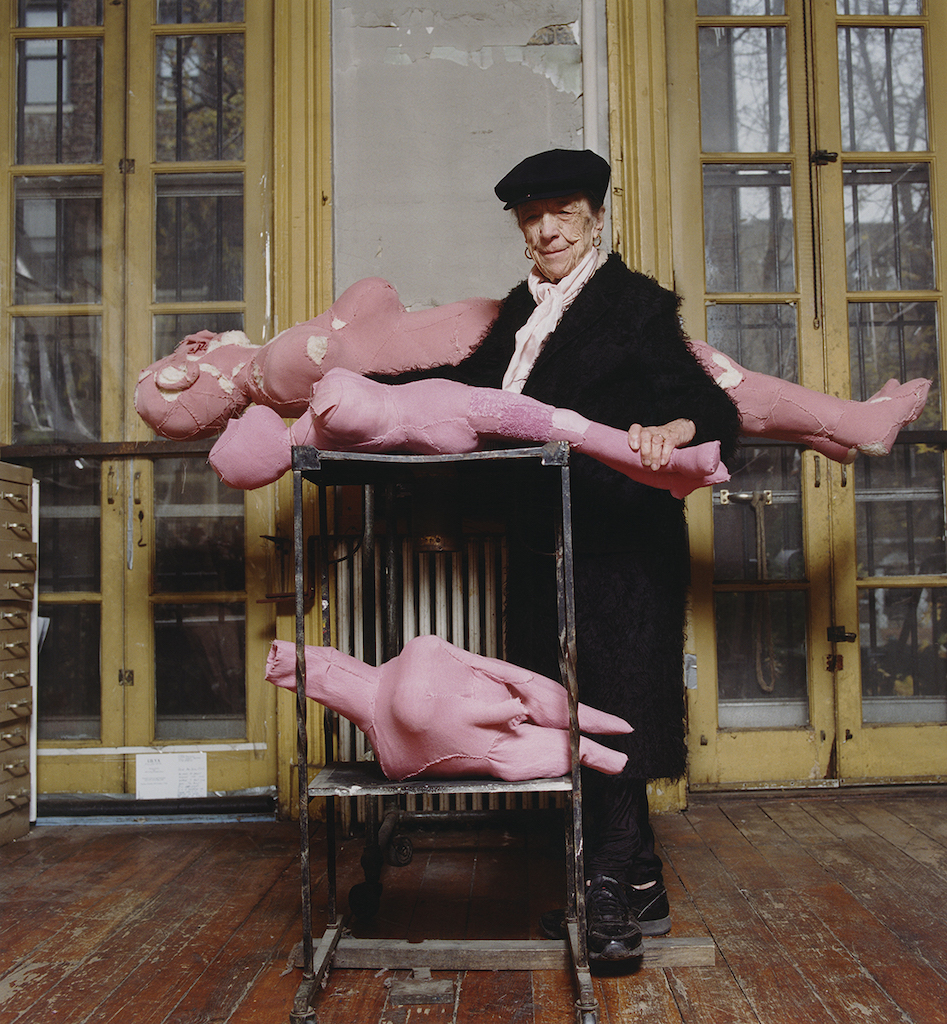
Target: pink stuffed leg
[
  {"x": 836, "y": 427},
  {"x": 352, "y": 413}
]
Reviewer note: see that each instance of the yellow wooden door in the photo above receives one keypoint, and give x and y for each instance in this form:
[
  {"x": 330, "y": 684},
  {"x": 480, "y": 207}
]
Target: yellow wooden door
[
  {"x": 136, "y": 174},
  {"x": 802, "y": 145}
]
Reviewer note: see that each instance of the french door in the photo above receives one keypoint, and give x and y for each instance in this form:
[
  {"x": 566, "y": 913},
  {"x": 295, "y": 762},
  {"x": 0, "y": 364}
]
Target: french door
[
  {"x": 135, "y": 215},
  {"x": 809, "y": 206}
]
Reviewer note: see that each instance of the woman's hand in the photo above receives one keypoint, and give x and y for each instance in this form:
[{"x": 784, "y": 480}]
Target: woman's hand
[{"x": 655, "y": 444}]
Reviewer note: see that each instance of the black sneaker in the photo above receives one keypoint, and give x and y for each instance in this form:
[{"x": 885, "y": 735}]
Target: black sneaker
[
  {"x": 612, "y": 931},
  {"x": 553, "y": 924},
  {"x": 650, "y": 907}
]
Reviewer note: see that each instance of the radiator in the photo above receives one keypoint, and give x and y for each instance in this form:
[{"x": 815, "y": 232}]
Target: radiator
[{"x": 456, "y": 595}]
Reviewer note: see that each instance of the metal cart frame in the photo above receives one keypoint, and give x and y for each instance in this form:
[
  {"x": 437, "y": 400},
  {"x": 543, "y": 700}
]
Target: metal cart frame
[{"x": 340, "y": 780}]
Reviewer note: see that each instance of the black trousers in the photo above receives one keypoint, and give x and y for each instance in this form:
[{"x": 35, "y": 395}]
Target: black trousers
[{"x": 617, "y": 834}]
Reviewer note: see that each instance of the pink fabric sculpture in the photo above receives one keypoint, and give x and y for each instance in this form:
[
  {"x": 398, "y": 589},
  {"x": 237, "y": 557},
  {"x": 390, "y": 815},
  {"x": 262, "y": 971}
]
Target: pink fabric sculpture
[
  {"x": 349, "y": 412},
  {"x": 437, "y": 710},
  {"x": 211, "y": 378}
]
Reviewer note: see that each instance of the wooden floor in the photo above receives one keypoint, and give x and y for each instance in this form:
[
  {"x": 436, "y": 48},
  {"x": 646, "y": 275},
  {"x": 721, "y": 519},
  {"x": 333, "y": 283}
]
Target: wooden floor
[{"x": 822, "y": 907}]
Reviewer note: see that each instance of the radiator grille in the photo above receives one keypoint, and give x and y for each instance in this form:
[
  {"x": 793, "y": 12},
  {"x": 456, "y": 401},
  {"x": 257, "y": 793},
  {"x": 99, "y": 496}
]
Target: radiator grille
[{"x": 456, "y": 595}]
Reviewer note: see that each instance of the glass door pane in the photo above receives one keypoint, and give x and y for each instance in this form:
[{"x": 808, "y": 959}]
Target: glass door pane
[
  {"x": 893, "y": 333},
  {"x": 193, "y": 527},
  {"x": 761, "y": 710},
  {"x": 59, "y": 373},
  {"x": 126, "y": 226}
]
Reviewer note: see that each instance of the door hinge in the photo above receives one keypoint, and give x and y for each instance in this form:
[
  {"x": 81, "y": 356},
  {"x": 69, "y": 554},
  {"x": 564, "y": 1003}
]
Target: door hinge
[
  {"x": 126, "y": 677},
  {"x": 838, "y": 635},
  {"x": 126, "y": 165}
]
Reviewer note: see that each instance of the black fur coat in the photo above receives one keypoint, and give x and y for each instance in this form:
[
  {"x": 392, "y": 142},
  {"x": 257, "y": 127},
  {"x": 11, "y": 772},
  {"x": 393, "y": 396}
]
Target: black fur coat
[{"x": 618, "y": 356}]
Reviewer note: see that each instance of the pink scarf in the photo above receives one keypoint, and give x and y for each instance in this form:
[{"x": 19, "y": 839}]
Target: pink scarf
[{"x": 552, "y": 300}]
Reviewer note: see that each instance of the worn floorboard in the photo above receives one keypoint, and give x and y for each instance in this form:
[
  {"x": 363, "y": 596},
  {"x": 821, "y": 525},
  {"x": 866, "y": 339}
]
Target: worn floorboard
[{"x": 824, "y": 909}]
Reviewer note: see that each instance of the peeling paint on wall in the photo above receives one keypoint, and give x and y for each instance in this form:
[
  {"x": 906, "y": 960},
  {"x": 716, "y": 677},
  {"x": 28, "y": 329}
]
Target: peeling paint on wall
[
  {"x": 559, "y": 60},
  {"x": 430, "y": 109}
]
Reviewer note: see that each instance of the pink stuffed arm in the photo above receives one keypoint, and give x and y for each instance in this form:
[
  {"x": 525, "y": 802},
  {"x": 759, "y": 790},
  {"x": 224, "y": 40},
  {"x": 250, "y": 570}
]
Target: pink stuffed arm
[
  {"x": 836, "y": 427},
  {"x": 334, "y": 679}
]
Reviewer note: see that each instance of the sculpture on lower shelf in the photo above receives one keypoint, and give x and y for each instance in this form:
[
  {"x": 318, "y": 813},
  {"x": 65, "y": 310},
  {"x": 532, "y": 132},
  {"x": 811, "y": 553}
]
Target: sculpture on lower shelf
[{"x": 439, "y": 711}]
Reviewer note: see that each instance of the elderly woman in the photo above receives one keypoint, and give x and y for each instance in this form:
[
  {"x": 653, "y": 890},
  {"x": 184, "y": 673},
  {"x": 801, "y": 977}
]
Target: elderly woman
[{"x": 586, "y": 333}]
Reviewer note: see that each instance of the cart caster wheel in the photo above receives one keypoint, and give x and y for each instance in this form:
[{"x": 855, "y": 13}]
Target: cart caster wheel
[
  {"x": 400, "y": 851},
  {"x": 586, "y": 1016},
  {"x": 364, "y": 899}
]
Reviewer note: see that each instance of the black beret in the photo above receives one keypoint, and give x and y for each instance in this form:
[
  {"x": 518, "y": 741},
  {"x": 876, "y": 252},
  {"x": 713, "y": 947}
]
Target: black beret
[{"x": 557, "y": 172}]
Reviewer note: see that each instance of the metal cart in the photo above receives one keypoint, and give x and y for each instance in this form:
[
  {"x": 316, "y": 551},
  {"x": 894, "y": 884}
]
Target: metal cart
[
  {"x": 335, "y": 948},
  {"x": 365, "y": 779}
]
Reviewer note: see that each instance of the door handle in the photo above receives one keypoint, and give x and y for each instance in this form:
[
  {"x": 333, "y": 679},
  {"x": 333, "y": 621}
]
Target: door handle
[{"x": 839, "y": 635}]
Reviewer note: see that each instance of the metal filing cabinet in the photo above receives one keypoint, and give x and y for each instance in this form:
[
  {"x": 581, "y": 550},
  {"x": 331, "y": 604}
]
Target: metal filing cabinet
[{"x": 17, "y": 584}]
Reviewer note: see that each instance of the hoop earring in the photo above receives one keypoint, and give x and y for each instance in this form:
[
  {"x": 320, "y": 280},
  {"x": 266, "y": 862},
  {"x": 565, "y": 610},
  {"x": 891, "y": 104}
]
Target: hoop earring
[
  {"x": 597, "y": 241},
  {"x": 529, "y": 255}
]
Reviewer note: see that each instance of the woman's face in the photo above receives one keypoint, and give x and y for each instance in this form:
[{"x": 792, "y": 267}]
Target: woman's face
[{"x": 559, "y": 232}]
